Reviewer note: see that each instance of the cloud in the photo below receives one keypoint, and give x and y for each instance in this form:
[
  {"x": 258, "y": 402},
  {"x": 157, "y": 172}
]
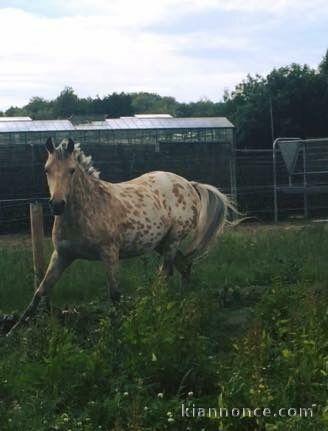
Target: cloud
[
  {"x": 101, "y": 46},
  {"x": 95, "y": 55},
  {"x": 145, "y": 11}
]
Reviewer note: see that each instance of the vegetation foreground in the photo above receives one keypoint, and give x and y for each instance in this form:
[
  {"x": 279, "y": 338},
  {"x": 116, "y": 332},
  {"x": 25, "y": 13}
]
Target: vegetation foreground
[{"x": 250, "y": 332}]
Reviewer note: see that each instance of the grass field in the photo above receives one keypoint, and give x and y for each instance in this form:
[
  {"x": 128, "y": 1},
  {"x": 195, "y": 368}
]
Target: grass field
[{"x": 250, "y": 332}]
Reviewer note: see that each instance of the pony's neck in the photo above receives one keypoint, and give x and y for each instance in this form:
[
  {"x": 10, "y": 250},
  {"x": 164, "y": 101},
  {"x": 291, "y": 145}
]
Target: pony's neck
[{"x": 83, "y": 190}]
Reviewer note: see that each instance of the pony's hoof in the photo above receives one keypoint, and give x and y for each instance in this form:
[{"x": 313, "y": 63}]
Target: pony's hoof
[
  {"x": 7, "y": 322},
  {"x": 115, "y": 296}
]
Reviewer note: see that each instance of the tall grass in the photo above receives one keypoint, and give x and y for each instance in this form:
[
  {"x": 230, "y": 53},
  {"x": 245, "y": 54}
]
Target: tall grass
[{"x": 251, "y": 331}]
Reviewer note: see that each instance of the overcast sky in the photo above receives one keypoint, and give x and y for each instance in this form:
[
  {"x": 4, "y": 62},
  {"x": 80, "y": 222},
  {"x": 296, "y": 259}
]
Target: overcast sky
[{"x": 189, "y": 49}]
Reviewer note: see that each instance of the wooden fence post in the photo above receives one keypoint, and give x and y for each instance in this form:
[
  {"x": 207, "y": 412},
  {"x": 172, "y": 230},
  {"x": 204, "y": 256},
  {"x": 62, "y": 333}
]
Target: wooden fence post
[{"x": 37, "y": 236}]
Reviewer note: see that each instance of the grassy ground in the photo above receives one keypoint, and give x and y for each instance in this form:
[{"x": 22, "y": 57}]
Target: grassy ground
[{"x": 250, "y": 332}]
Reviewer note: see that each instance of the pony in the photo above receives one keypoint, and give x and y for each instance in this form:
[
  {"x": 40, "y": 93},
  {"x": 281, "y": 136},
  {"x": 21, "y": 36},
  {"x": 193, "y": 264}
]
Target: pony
[{"x": 99, "y": 220}]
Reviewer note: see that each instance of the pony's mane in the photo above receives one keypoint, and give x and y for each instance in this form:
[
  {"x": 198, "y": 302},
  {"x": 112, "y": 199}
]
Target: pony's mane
[{"x": 84, "y": 161}]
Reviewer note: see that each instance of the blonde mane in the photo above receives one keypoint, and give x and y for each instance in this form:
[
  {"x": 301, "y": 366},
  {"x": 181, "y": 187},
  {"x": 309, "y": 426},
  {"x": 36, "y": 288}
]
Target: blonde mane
[{"x": 84, "y": 161}]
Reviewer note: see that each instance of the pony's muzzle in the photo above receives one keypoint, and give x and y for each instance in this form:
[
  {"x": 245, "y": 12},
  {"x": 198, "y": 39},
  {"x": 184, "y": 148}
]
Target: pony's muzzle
[{"x": 57, "y": 207}]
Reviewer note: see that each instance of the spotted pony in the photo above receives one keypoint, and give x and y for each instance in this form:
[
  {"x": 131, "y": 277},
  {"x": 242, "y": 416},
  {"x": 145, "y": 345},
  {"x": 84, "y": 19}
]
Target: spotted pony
[{"x": 98, "y": 220}]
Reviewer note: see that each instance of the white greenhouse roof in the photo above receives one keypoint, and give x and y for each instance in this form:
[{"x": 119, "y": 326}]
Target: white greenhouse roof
[
  {"x": 152, "y": 116},
  {"x": 15, "y": 119},
  {"x": 168, "y": 123},
  {"x": 123, "y": 123},
  {"x": 35, "y": 126}
]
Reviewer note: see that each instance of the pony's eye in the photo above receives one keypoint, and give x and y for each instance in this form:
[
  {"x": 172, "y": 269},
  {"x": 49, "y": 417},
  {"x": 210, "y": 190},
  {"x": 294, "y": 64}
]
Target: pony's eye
[
  {"x": 72, "y": 171},
  {"x": 46, "y": 171}
]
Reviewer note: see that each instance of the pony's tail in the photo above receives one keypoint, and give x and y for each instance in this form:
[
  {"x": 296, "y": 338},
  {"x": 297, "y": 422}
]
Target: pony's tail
[{"x": 213, "y": 216}]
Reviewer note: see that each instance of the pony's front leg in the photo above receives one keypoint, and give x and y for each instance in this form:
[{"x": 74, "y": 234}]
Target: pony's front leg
[
  {"x": 110, "y": 258},
  {"x": 56, "y": 267}
]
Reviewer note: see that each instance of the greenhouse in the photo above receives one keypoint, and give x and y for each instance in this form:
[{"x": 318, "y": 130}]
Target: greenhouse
[{"x": 138, "y": 129}]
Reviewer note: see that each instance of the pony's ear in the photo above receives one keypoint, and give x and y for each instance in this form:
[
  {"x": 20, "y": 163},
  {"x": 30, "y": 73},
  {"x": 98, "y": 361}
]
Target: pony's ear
[
  {"x": 70, "y": 146},
  {"x": 50, "y": 145}
]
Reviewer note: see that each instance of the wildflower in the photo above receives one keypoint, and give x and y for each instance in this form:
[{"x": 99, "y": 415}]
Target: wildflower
[
  {"x": 65, "y": 417},
  {"x": 169, "y": 414},
  {"x": 17, "y": 406},
  {"x": 125, "y": 394},
  {"x": 170, "y": 420},
  {"x": 145, "y": 408},
  {"x": 190, "y": 394},
  {"x": 160, "y": 395}
]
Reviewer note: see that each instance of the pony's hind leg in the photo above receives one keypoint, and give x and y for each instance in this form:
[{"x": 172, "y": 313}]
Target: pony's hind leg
[
  {"x": 184, "y": 266},
  {"x": 166, "y": 269},
  {"x": 175, "y": 259},
  {"x": 168, "y": 250}
]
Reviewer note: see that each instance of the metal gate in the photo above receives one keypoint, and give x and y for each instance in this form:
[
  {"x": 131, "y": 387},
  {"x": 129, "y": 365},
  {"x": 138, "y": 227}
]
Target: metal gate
[{"x": 300, "y": 166}]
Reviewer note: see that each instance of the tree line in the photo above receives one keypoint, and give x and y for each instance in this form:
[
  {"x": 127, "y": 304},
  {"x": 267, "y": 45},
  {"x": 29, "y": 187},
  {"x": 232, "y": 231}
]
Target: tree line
[{"x": 289, "y": 101}]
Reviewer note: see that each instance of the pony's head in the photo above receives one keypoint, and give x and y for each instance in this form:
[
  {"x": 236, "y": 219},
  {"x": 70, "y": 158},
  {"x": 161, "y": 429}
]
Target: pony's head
[{"x": 60, "y": 168}]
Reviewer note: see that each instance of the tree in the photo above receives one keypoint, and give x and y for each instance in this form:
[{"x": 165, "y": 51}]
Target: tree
[
  {"x": 323, "y": 66},
  {"x": 298, "y": 93},
  {"x": 248, "y": 108},
  {"x": 298, "y": 97},
  {"x": 118, "y": 105},
  {"x": 15, "y": 111},
  {"x": 66, "y": 104},
  {"x": 40, "y": 109},
  {"x": 145, "y": 103}
]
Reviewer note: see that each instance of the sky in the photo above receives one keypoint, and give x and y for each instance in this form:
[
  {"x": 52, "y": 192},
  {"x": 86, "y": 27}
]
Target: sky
[{"x": 188, "y": 49}]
